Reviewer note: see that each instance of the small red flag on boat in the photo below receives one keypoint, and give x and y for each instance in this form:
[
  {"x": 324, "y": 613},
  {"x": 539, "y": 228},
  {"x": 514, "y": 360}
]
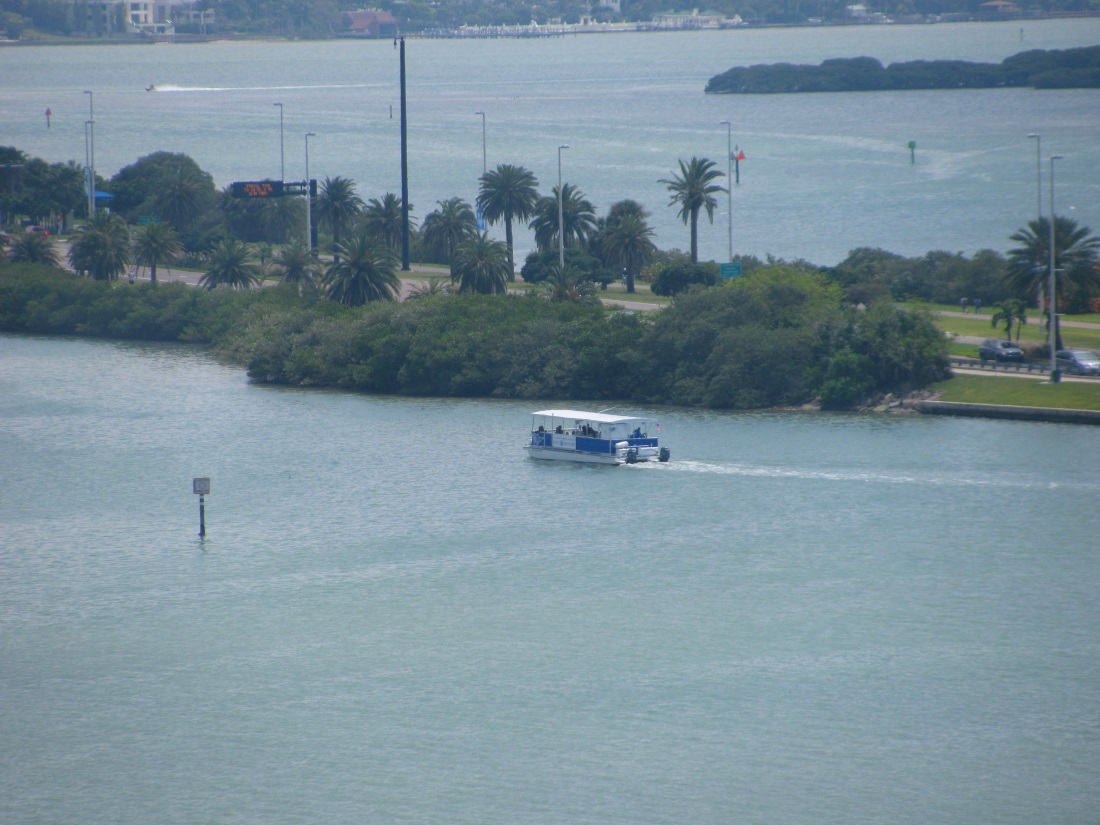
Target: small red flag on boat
[{"x": 740, "y": 155}]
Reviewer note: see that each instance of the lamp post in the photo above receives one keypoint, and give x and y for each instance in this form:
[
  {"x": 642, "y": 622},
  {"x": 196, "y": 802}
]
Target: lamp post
[
  {"x": 729, "y": 180},
  {"x": 561, "y": 226},
  {"x": 1052, "y": 326},
  {"x": 309, "y": 199},
  {"x": 484, "y": 156},
  {"x": 1038, "y": 199},
  {"x": 282, "y": 164},
  {"x": 90, "y": 127}
]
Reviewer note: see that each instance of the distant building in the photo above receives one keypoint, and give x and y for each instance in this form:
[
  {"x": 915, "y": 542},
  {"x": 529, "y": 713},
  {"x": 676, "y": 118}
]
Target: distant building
[
  {"x": 367, "y": 23},
  {"x": 139, "y": 17}
]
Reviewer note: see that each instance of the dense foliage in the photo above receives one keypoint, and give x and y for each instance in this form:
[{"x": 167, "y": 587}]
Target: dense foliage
[
  {"x": 782, "y": 336},
  {"x": 1066, "y": 69}
]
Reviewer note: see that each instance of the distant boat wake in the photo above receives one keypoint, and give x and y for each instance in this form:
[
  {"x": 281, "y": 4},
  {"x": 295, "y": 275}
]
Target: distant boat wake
[
  {"x": 857, "y": 475},
  {"x": 167, "y": 87}
]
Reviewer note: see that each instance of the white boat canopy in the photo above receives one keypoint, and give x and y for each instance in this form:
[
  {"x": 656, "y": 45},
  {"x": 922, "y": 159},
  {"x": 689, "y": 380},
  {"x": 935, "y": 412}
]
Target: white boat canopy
[{"x": 599, "y": 418}]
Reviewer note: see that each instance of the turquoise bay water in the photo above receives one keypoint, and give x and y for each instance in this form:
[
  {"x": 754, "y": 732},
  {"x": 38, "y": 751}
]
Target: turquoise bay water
[
  {"x": 824, "y": 173},
  {"x": 398, "y": 617}
]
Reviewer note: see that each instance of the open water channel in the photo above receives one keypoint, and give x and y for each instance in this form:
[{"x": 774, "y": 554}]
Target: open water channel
[{"x": 397, "y": 617}]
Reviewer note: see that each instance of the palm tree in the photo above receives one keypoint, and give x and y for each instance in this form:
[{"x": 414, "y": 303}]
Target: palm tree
[
  {"x": 1075, "y": 253},
  {"x": 628, "y": 243},
  {"x": 568, "y": 285},
  {"x": 34, "y": 248},
  {"x": 337, "y": 205},
  {"x": 297, "y": 264},
  {"x": 154, "y": 244},
  {"x": 429, "y": 288},
  {"x": 383, "y": 219},
  {"x": 1010, "y": 311},
  {"x": 448, "y": 226},
  {"x": 481, "y": 265},
  {"x": 230, "y": 264},
  {"x": 181, "y": 199},
  {"x": 364, "y": 271},
  {"x": 508, "y": 193},
  {"x": 578, "y": 216},
  {"x": 693, "y": 191},
  {"x": 103, "y": 248}
]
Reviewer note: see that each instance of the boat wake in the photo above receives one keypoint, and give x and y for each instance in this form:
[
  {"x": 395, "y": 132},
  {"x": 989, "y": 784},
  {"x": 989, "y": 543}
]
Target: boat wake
[
  {"x": 168, "y": 87},
  {"x": 859, "y": 475}
]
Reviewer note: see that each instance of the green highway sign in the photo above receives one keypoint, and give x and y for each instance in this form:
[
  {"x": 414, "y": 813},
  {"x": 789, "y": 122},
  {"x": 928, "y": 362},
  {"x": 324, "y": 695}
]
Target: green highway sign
[{"x": 732, "y": 270}]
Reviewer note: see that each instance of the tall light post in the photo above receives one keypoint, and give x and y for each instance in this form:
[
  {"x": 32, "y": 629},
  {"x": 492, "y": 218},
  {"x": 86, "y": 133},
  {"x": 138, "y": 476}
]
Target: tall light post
[
  {"x": 88, "y": 173},
  {"x": 1054, "y": 376},
  {"x": 91, "y": 153},
  {"x": 561, "y": 225},
  {"x": 1038, "y": 199},
  {"x": 729, "y": 180},
  {"x": 309, "y": 198},
  {"x": 484, "y": 156},
  {"x": 282, "y": 164},
  {"x": 1038, "y": 172}
]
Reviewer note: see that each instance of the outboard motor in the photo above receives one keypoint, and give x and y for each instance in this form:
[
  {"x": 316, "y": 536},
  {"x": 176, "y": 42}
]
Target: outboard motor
[
  {"x": 632, "y": 455},
  {"x": 664, "y": 454}
]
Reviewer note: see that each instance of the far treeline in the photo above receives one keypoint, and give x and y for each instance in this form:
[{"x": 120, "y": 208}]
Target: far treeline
[{"x": 1039, "y": 69}]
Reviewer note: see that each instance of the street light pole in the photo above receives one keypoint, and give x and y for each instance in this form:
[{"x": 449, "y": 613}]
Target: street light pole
[
  {"x": 729, "y": 180},
  {"x": 1052, "y": 326},
  {"x": 484, "y": 156},
  {"x": 561, "y": 226},
  {"x": 91, "y": 153},
  {"x": 309, "y": 199},
  {"x": 1038, "y": 200},
  {"x": 1038, "y": 172},
  {"x": 282, "y": 164}
]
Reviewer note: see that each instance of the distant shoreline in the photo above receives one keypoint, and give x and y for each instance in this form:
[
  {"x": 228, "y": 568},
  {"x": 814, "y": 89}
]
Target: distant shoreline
[{"x": 518, "y": 32}]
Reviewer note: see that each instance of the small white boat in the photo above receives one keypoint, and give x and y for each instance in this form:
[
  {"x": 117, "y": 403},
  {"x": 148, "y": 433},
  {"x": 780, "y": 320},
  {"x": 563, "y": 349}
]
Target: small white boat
[{"x": 595, "y": 438}]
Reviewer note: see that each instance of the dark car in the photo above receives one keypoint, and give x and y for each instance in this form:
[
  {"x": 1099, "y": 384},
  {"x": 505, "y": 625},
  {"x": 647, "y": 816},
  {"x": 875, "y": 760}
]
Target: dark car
[
  {"x": 1078, "y": 361},
  {"x": 998, "y": 349}
]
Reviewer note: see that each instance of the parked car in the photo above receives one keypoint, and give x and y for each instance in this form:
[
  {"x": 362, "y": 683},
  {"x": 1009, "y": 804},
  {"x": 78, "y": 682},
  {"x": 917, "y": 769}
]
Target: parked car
[
  {"x": 41, "y": 230},
  {"x": 998, "y": 349},
  {"x": 1078, "y": 361}
]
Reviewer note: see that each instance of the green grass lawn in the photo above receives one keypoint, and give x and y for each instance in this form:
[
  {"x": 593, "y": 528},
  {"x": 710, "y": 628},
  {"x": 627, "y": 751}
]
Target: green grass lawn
[
  {"x": 1019, "y": 392},
  {"x": 980, "y": 327}
]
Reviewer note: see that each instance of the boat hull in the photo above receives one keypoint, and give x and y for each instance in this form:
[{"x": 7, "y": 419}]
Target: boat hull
[{"x": 552, "y": 454}]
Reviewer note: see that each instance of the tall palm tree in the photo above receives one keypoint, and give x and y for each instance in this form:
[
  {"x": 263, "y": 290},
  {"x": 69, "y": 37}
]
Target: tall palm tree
[
  {"x": 1075, "y": 254},
  {"x": 448, "y": 226},
  {"x": 181, "y": 198},
  {"x": 383, "y": 219},
  {"x": 578, "y": 216},
  {"x": 628, "y": 243},
  {"x": 103, "y": 248},
  {"x": 508, "y": 193},
  {"x": 34, "y": 248},
  {"x": 1010, "y": 311},
  {"x": 154, "y": 244},
  {"x": 481, "y": 265},
  {"x": 364, "y": 271},
  {"x": 337, "y": 205},
  {"x": 297, "y": 264},
  {"x": 230, "y": 264},
  {"x": 693, "y": 191}
]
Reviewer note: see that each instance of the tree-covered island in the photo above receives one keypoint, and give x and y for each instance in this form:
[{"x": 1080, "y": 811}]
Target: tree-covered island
[
  {"x": 786, "y": 333},
  {"x": 1039, "y": 69}
]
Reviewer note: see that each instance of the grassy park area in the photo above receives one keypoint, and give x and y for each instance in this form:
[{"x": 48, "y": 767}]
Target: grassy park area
[{"x": 1020, "y": 392}]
